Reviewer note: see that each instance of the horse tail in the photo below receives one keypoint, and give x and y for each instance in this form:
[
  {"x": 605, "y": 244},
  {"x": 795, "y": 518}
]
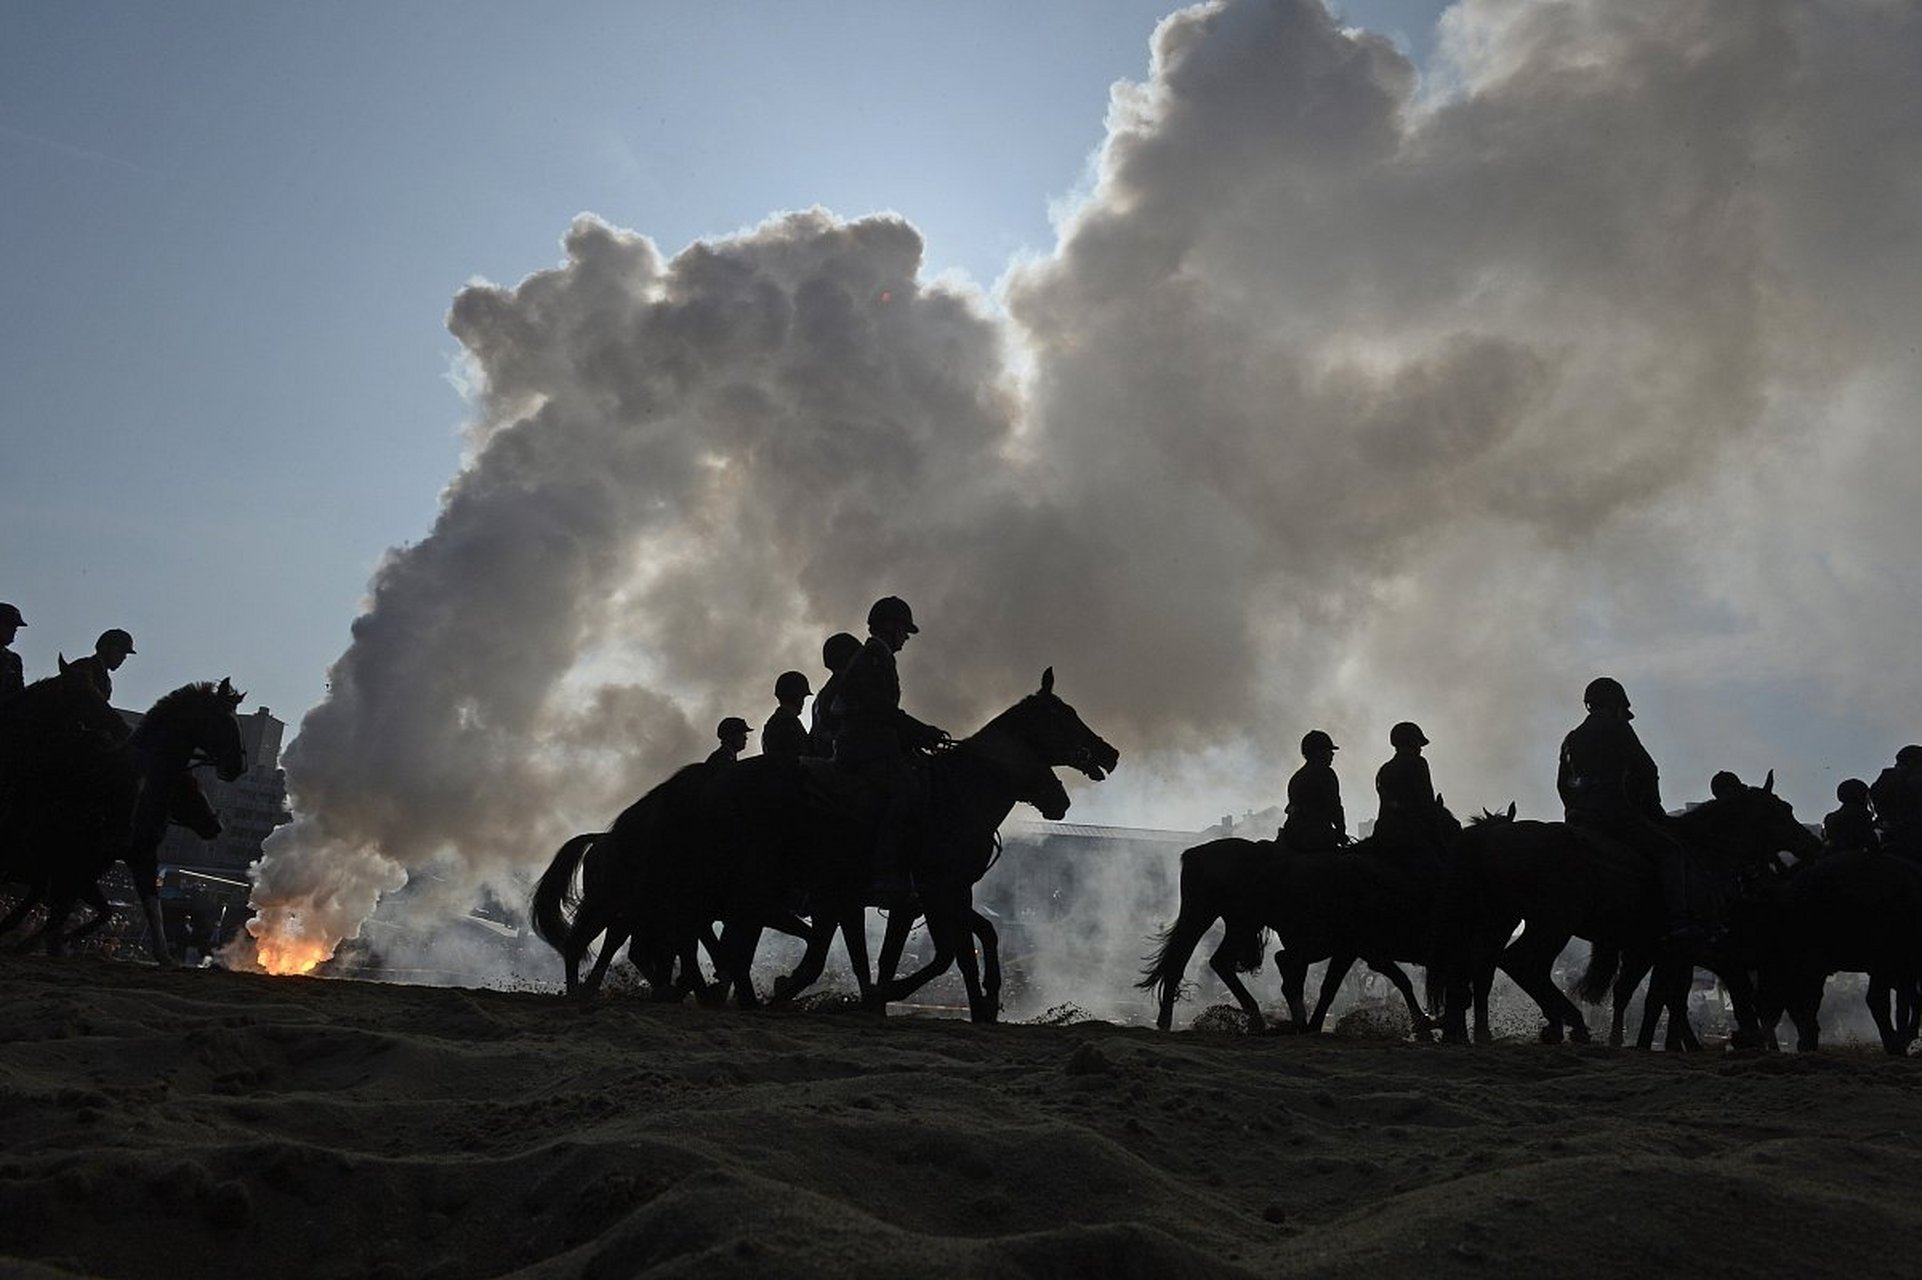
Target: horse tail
[
  {"x": 1197, "y": 914},
  {"x": 1603, "y": 960},
  {"x": 555, "y": 899}
]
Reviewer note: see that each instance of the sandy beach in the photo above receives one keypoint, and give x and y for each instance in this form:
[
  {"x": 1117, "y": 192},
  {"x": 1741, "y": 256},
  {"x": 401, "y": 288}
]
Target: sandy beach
[{"x": 187, "y": 1123}]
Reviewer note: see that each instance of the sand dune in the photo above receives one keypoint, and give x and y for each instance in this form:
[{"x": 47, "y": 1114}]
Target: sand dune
[{"x": 167, "y": 1124}]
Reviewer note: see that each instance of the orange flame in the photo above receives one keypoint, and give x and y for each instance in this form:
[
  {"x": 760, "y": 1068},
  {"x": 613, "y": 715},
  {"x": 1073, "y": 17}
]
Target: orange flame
[{"x": 290, "y": 957}]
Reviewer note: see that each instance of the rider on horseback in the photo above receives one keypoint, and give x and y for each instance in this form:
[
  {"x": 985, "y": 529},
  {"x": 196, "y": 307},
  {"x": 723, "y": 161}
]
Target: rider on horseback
[
  {"x": 1609, "y": 785},
  {"x": 836, "y": 653},
  {"x": 1852, "y": 825},
  {"x": 876, "y": 735},
  {"x": 97, "y": 668},
  {"x": 1315, "y": 820},
  {"x": 783, "y": 735},
  {"x": 12, "y": 677},
  {"x": 1897, "y": 794},
  {"x": 1410, "y": 817},
  {"x": 732, "y": 732}
]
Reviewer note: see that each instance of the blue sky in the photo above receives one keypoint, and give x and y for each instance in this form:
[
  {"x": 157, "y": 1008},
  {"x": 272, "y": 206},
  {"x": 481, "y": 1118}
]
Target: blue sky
[{"x": 232, "y": 232}]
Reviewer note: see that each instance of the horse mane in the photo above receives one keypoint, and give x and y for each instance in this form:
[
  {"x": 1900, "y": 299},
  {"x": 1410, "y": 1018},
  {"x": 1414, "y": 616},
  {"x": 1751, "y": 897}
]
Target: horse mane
[{"x": 182, "y": 701}]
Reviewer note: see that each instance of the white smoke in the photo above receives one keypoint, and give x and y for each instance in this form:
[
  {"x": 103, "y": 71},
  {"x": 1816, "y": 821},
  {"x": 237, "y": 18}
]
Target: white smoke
[{"x": 1343, "y": 399}]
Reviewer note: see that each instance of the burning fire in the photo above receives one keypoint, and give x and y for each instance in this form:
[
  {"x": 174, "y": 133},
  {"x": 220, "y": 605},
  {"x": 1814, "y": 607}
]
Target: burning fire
[
  {"x": 289, "y": 957},
  {"x": 281, "y": 946}
]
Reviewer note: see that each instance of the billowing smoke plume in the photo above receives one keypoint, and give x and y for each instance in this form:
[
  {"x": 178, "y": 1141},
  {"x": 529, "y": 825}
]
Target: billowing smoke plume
[{"x": 1345, "y": 398}]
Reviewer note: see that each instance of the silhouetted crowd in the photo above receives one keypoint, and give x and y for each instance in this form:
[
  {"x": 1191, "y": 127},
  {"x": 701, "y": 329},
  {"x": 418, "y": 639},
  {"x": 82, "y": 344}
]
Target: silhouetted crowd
[{"x": 1609, "y": 785}]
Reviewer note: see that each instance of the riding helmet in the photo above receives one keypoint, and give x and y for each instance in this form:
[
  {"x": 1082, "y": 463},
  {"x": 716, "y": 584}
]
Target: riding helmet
[
  {"x": 733, "y": 724},
  {"x": 1909, "y": 755},
  {"x": 1852, "y": 791},
  {"x": 890, "y": 611},
  {"x": 1605, "y": 691},
  {"x": 114, "y": 638},
  {"x": 790, "y": 685},
  {"x": 1315, "y": 740},
  {"x": 10, "y": 616},
  {"x": 1407, "y": 734},
  {"x": 839, "y": 650}
]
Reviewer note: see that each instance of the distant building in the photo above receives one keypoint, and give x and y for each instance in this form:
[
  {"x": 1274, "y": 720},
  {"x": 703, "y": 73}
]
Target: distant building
[{"x": 250, "y": 806}]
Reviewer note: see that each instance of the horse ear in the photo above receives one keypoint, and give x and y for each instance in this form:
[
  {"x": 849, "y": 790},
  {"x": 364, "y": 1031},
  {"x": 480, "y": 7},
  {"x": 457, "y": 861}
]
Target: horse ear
[
  {"x": 61, "y": 658},
  {"x": 1768, "y": 784},
  {"x": 1047, "y": 680},
  {"x": 228, "y": 691},
  {"x": 1511, "y": 810}
]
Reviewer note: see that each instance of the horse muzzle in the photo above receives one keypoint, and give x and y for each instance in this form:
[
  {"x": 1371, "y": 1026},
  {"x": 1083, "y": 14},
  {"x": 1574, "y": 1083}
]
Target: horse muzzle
[{"x": 1097, "y": 760}]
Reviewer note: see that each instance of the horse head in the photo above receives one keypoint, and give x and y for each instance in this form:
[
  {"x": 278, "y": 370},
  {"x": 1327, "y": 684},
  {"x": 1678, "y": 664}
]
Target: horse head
[
  {"x": 1054, "y": 730},
  {"x": 200, "y": 718},
  {"x": 1755, "y": 823}
]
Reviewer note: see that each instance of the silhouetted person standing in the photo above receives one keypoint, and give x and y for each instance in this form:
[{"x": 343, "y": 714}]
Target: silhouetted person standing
[
  {"x": 733, "y": 733},
  {"x": 97, "y": 668},
  {"x": 1897, "y": 796},
  {"x": 1609, "y": 784},
  {"x": 1410, "y": 816},
  {"x": 836, "y": 653},
  {"x": 783, "y": 735},
  {"x": 1852, "y": 826},
  {"x": 1315, "y": 821},
  {"x": 876, "y": 734},
  {"x": 13, "y": 676}
]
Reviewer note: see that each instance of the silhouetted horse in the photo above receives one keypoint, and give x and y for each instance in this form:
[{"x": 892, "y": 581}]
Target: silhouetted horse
[
  {"x": 1854, "y": 912},
  {"x": 623, "y": 870},
  {"x": 773, "y": 841},
  {"x": 1362, "y": 902},
  {"x": 1565, "y": 883},
  {"x": 108, "y": 804}
]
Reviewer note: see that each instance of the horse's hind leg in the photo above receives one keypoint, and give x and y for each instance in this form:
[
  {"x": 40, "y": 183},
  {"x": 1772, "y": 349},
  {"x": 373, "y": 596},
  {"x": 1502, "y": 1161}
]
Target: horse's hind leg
[
  {"x": 1235, "y": 943},
  {"x": 1171, "y": 963},
  {"x": 1635, "y": 967},
  {"x": 617, "y": 936},
  {"x": 1880, "y": 994}
]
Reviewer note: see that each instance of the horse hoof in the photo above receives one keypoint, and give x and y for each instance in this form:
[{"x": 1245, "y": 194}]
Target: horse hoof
[{"x": 1551, "y": 1034}]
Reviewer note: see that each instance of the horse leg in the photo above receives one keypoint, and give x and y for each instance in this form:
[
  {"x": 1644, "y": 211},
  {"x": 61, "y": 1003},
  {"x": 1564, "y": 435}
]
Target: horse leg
[
  {"x": 854, "y": 940},
  {"x": 1222, "y": 962},
  {"x": 1484, "y": 984},
  {"x": 894, "y": 940},
  {"x": 1530, "y": 961},
  {"x": 990, "y": 943},
  {"x": 954, "y": 912},
  {"x": 820, "y": 937},
  {"x": 1395, "y": 974},
  {"x": 1171, "y": 962},
  {"x": 618, "y": 935},
  {"x": 738, "y": 941},
  {"x": 1293, "y": 971},
  {"x": 156, "y": 928},
  {"x": 1338, "y": 967},
  {"x": 1879, "y": 998},
  {"x": 1635, "y": 966}
]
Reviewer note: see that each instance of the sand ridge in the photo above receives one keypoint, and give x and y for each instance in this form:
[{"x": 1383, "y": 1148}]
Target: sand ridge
[{"x": 159, "y": 1124}]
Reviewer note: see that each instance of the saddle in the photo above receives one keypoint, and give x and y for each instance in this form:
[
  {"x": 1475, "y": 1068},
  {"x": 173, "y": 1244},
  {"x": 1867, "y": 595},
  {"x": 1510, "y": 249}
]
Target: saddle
[{"x": 832, "y": 790}]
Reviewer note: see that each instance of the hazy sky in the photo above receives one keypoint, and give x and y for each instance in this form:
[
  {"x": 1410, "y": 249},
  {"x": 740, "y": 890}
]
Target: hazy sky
[
  {"x": 1356, "y": 377},
  {"x": 232, "y": 231}
]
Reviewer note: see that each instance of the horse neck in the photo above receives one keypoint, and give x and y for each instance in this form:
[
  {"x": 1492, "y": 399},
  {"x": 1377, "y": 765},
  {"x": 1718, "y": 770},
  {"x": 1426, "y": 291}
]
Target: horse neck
[
  {"x": 1719, "y": 837},
  {"x": 166, "y": 744},
  {"x": 988, "y": 771}
]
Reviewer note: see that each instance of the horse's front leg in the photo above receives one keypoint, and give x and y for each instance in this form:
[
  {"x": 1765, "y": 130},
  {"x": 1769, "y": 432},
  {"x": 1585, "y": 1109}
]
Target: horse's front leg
[
  {"x": 739, "y": 940},
  {"x": 1331, "y": 980},
  {"x": 156, "y": 930},
  {"x": 990, "y": 943},
  {"x": 1388, "y": 969},
  {"x": 955, "y": 915},
  {"x": 1293, "y": 971},
  {"x": 820, "y": 936}
]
